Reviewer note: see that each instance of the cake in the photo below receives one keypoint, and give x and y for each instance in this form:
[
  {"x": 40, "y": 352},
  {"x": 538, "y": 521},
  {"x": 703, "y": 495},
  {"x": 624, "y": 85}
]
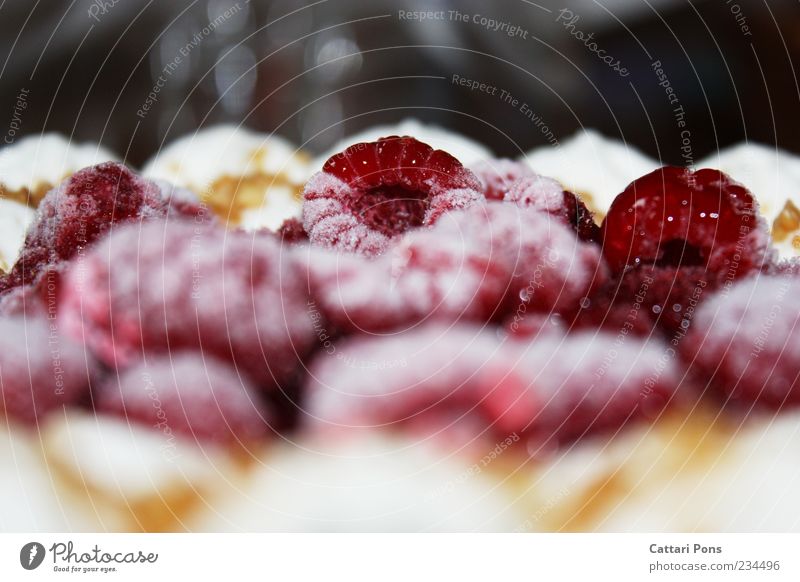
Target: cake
[{"x": 419, "y": 347}]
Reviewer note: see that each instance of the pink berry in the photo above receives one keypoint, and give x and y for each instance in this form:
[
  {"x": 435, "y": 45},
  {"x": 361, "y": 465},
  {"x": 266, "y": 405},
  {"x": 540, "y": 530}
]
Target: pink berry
[
  {"x": 744, "y": 342},
  {"x": 426, "y": 376},
  {"x": 162, "y": 286},
  {"x": 546, "y": 195},
  {"x": 83, "y": 208},
  {"x": 40, "y": 368},
  {"x": 586, "y": 383},
  {"x": 550, "y": 391},
  {"x": 372, "y": 192},
  {"x": 188, "y": 394},
  {"x": 476, "y": 265},
  {"x": 496, "y": 176}
]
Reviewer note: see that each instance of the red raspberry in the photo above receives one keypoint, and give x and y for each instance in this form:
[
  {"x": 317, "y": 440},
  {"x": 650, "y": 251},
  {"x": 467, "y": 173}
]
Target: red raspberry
[
  {"x": 676, "y": 217},
  {"x": 163, "y": 286},
  {"x": 613, "y": 311},
  {"x": 477, "y": 265},
  {"x": 496, "y": 176},
  {"x": 551, "y": 391},
  {"x": 426, "y": 376},
  {"x": 40, "y": 369},
  {"x": 547, "y": 195},
  {"x": 83, "y": 209},
  {"x": 744, "y": 342},
  {"x": 585, "y": 383},
  {"x": 292, "y": 231},
  {"x": 189, "y": 394},
  {"x": 372, "y": 192}
]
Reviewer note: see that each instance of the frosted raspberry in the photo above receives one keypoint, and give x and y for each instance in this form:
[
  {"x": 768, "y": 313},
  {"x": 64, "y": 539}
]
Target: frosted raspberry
[
  {"x": 188, "y": 394},
  {"x": 745, "y": 341},
  {"x": 41, "y": 297},
  {"x": 613, "y": 311},
  {"x": 40, "y": 369},
  {"x": 587, "y": 382},
  {"x": 372, "y": 192},
  {"x": 478, "y": 265},
  {"x": 163, "y": 286},
  {"x": 292, "y": 231},
  {"x": 547, "y": 195},
  {"x": 551, "y": 391},
  {"x": 82, "y": 209},
  {"x": 427, "y": 376},
  {"x": 496, "y": 176}
]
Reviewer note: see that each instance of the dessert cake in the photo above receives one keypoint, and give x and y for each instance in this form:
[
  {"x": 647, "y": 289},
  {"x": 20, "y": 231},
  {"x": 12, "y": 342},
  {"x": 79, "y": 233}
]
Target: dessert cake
[{"x": 425, "y": 343}]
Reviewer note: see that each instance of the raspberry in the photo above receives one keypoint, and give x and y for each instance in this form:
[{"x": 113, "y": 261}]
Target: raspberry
[
  {"x": 426, "y": 376},
  {"x": 676, "y": 217},
  {"x": 194, "y": 395},
  {"x": 40, "y": 369},
  {"x": 613, "y": 311},
  {"x": 585, "y": 383},
  {"x": 163, "y": 286},
  {"x": 83, "y": 209},
  {"x": 40, "y": 297},
  {"x": 372, "y": 192},
  {"x": 476, "y": 265},
  {"x": 292, "y": 231},
  {"x": 496, "y": 176},
  {"x": 547, "y": 195},
  {"x": 554, "y": 389},
  {"x": 745, "y": 342}
]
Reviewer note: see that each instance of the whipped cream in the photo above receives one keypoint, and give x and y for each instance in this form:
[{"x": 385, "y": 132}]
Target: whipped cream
[
  {"x": 15, "y": 218},
  {"x": 591, "y": 165},
  {"x": 37, "y": 163},
  {"x": 252, "y": 179}
]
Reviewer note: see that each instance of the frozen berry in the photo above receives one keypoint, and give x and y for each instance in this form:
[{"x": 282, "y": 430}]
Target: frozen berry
[
  {"x": 372, "y": 192},
  {"x": 189, "y": 394},
  {"x": 552, "y": 390},
  {"x": 476, "y": 265},
  {"x": 82, "y": 209},
  {"x": 585, "y": 383},
  {"x": 426, "y": 376},
  {"x": 496, "y": 176},
  {"x": 40, "y": 368},
  {"x": 745, "y": 341},
  {"x": 168, "y": 285},
  {"x": 292, "y": 231},
  {"x": 676, "y": 217},
  {"x": 40, "y": 297},
  {"x": 547, "y": 195}
]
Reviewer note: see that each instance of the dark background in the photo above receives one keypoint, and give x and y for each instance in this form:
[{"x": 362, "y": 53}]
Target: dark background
[{"x": 317, "y": 73}]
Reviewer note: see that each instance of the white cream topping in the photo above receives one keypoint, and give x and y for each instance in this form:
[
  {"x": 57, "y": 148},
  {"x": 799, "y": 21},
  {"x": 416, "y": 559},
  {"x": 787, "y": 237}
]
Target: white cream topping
[
  {"x": 15, "y": 218},
  {"x": 590, "y": 163},
  {"x": 45, "y": 160},
  {"x": 199, "y": 159}
]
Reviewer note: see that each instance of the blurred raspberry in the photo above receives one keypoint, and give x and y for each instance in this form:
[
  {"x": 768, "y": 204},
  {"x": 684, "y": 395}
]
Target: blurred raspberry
[{"x": 194, "y": 395}]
